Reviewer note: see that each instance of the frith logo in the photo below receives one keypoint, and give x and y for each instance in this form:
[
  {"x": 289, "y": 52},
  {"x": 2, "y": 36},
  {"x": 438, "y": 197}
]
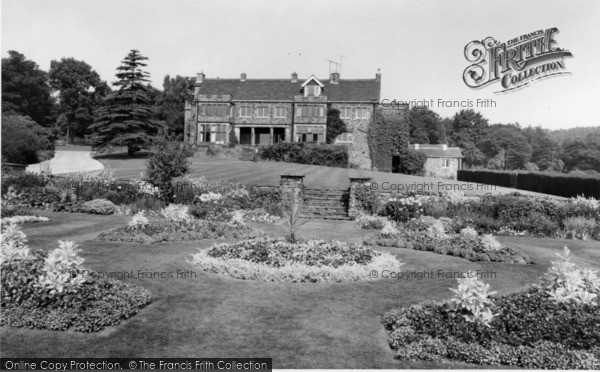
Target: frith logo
[{"x": 515, "y": 63}]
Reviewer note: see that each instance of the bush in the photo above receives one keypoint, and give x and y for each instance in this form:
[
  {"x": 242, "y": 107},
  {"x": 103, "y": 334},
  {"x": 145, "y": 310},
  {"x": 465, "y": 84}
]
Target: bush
[
  {"x": 167, "y": 231},
  {"x": 19, "y": 181},
  {"x": 411, "y": 162},
  {"x": 429, "y": 234},
  {"x": 281, "y": 260},
  {"x": 50, "y": 290},
  {"x": 23, "y": 139},
  {"x": 166, "y": 162},
  {"x": 536, "y": 327},
  {"x": 98, "y": 206},
  {"x": 314, "y": 154}
]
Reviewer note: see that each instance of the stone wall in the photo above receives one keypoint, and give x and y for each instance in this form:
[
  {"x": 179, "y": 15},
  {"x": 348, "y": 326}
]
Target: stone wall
[
  {"x": 433, "y": 168},
  {"x": 358, "y": 151}
]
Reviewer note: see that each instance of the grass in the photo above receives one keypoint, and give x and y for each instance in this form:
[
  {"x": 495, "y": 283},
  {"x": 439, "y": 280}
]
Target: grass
[
  {"x": 298, "y": 325},
  {"x": 269, "y": 173}
]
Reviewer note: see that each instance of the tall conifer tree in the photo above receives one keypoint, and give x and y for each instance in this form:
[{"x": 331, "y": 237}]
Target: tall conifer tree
[{"x": 126, "y": 115}]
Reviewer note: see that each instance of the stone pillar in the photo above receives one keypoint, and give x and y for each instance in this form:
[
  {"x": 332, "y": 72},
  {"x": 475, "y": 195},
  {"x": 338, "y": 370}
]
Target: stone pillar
[
  {"x": 356, "y": 182},
  {"x": 252, "y": 136},
  {"x": 292, "y": 186},
  {"x": 271, "y": 137},
  {"x": 237, "y": 133},
  {"x": 288, "y": 135}
]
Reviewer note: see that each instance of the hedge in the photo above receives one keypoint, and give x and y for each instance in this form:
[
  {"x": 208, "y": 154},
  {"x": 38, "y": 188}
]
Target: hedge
[
  {"x": 547, "y": 183},
  {"x": 314, "y": 154}
]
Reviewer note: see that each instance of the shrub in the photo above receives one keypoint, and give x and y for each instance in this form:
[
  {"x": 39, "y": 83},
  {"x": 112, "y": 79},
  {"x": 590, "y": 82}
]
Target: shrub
[
  {"x": 177, "y": 213},
  {"x": 21, "y": 180},
  {"x": 532, "y": 327},
  {"x": 366, "y": 200},
  {"x": 23, "y": 139},
  {"x": 281, "y": 260},
  {"x": 298, "y": 152},
  {"x": 138, "y": 221},
  {"x": 50, "y": 290},
  {"x": 167, "y": 231},
  {"x": 430, "y": 234},
  {"x": 403, "y": 209},
  {"x": 472, "y": 295},
  {"x": 166, "y": 162},
  {"x": 98, "y": 206},
  {"x": 580, "y": 227},
  {"x": 411, "y": 162}
]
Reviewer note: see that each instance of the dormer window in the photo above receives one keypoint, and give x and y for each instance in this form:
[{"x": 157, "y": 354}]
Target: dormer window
[
  {"x": 312, "y": 90},
  {"x": 312, "y": 87}
]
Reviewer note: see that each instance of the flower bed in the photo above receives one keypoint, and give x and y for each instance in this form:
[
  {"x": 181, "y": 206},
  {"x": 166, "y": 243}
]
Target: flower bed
[
  {"x": 23, "y": 219},
  {"x": 168, "y": 231},
  {"x": 277, "y": 260},
  {"x": 555, "y": 325},
  {"x": 436, "y": 235},
  {"x": 50, "y": 290}
]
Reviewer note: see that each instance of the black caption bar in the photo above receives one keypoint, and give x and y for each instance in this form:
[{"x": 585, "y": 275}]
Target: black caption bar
[{"x": 136, "y": 364}]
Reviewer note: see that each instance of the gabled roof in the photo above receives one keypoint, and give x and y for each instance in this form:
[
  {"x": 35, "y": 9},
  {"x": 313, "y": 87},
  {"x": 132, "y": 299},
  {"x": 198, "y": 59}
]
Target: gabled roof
[
  {"x": 357, "y": 90},
  {"x": 452, "y": 152},
  {"x": 312, "y": 78}
]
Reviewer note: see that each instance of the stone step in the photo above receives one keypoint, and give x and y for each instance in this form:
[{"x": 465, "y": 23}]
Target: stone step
[
  {"x": 325, "y": 209},
  {"x": 325, "y": 204},
  {"x": 326, "y": 217},
  {"x": 324, "y": 193}
]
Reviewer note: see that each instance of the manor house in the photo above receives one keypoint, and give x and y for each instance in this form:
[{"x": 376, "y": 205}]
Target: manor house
[{"x": 267, "y": 111}]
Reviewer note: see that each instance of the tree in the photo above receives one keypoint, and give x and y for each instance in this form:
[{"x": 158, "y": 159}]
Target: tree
[
  {"x": 168, "y": 160},
  {"x": 582, "y": 154},
  {"x": 411, "y": 162},
  {"x": 25, "y": 89},
  {"x": 171, "y": 102},
  {"x": 544, "y": 150},
  {"x": 335, "y": 125},
  {"x": 509, "y": 143},
  {"x": 425, "y": 126},
  {"x": 126, "y": 115},
  {"x": 469, "y": 130},
  {"x": 23, "y": 139},
  {"x": 80, "y": 91}
]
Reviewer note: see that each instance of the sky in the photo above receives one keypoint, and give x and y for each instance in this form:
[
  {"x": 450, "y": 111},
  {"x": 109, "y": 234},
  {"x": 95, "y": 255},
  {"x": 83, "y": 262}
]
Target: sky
[{"x": 418, "y": 45}]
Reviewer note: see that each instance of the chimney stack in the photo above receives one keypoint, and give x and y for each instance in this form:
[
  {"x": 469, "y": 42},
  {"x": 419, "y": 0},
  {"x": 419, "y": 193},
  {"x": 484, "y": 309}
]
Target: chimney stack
[
  {"x": 378, "y": 75},
  {"x": 200, "y": 77},
  {"x": 334, "y": 78},
  {"x": 294, "y": 77},
  {"x": 243, "y": 76}
]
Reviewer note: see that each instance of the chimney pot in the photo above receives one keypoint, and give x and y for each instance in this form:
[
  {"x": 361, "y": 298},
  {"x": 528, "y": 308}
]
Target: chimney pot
[
  {"x": 294, "y": 77},
  {"x": 378, "y": 75},
  {"x": 243, "y": 76},
  {"x": 334, "y": 78},
  {"x": 200, "y": 77}
]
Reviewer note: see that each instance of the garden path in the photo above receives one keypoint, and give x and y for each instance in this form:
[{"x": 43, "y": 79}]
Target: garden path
[{"x": 68, "y": 161}]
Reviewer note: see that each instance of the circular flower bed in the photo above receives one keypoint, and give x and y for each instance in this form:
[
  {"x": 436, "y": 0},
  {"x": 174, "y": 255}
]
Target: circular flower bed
[{"x": 277, "y": 260}]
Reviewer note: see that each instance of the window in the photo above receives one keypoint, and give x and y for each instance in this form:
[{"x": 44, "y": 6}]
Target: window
[
  {"x": 245, "y": 111},
  {"x": 214, "y": 109},
  {"x": 262, "y": 112},
  {"x": 312, "y": 90},
  {"x": 310, "y": 133},
  {"x": 345, "y": 112},
  {"x": 280, "y": 112},
  {"x": 445, "y": 163},
  {"x": 213, "y": 133},
  {"x": 344, "y": 137},
  {"x": 311, "y": 110},
  {"x": 220, "y": 131},
  {"x": 362, "y": 113}
]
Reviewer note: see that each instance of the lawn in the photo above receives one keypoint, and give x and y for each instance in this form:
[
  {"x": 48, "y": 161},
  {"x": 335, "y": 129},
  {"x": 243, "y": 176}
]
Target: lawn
[
  {"x": 268, "y": 174},
  {"x": 298, "y": 325}
]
